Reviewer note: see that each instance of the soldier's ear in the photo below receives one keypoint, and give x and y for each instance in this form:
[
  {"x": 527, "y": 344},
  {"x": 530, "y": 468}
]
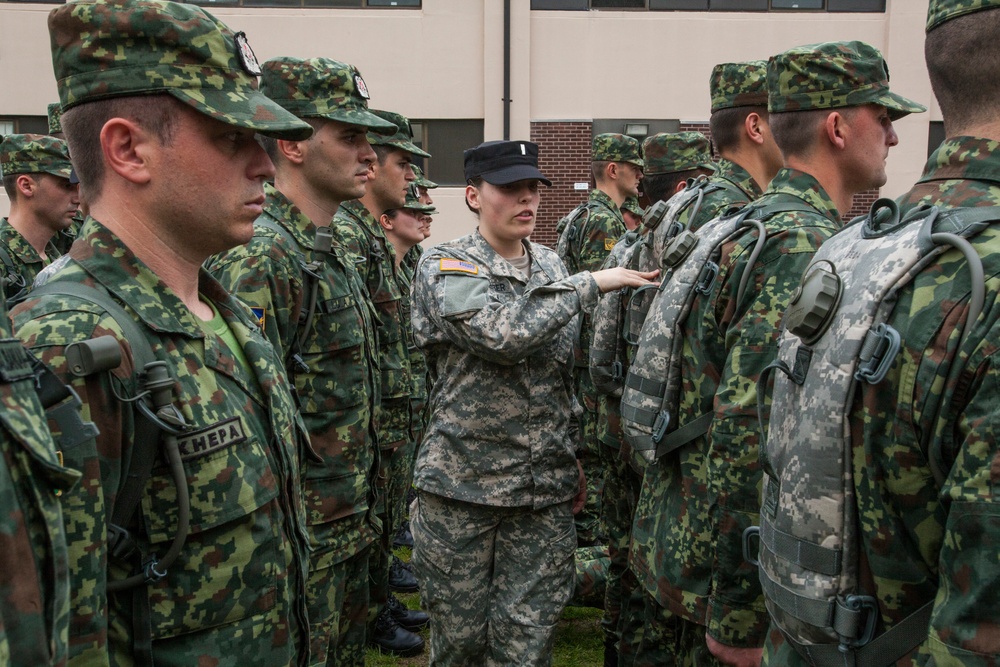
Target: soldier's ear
[
  {"x": 130, "y": 149},
  {"x": 752, "y": 125},
  {"x": 25, "y": 186},
  {"x": 386, "y": 222},
  {"x": 472, "y": 198},
  {"x": 834, "y": 128},
  {"x": 293, "y": 151}
]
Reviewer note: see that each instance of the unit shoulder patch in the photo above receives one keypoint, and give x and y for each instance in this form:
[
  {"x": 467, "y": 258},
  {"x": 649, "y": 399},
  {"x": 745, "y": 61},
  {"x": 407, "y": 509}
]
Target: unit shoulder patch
[{"x": 609, "y": 244}]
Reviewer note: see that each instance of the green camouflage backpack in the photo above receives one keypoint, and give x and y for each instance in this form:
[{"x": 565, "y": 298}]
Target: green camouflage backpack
[
  {"x": 651, "y": 395},
  {"x": 834, "y": 338},
  {"x": 619, "y": 315}
]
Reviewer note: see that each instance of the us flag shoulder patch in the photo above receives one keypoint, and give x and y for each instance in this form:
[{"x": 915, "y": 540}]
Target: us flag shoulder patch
[{"x": 458, "y": 265}]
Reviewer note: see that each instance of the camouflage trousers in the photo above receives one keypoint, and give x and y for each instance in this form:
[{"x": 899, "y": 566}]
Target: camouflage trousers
[
  {"x": 591, "y": 577},
  {"x": 493, "y": 579},
  {"x": 394, "y": 478},
  {"x": 624, "y": 608},
  {"x": 589, "y": 529},
  {"x": 669, "y": 640},
  {"x": 338, "y": 611}
]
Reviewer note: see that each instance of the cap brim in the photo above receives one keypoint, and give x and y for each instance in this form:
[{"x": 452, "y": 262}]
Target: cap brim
[
  {"x": 513, "y": 174},
  {"x": 249, "y": 109},
  {"x": 402, "y": 145},
  {"x": 363, "y": 118},
  {"x": 424, "y": 183},
  {"x": 73, "y": 178},
  {"x": 899, "y": 106}
]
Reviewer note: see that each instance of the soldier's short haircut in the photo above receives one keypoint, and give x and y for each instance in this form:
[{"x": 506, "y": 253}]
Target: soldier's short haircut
[
  {"x": 963, "y": 57},
  {"x": 726, "y": 125},
  {"x": 661, "y": 187},
  {"x": 10, "y": 185},
  {"x": 270, "y": 144},
  {"x": 597, "y": 169},
  {"x": 795, "y": 131},
  {"x": 82, "y": 126}
]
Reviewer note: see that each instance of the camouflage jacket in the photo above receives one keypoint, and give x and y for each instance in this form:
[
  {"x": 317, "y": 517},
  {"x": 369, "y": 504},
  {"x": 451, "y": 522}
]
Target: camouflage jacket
[
  {"x": 696, "y": 502},
  {"x": 336, "y": 383},
  {"x": 34, "y": 571},
  {"x": 418, "y": 362},
  {"x": 241, "y": 571},
  {"x": 362, "y": 237},
  {"x": 498, "y": 348},
  {"x": 715, "y": 202},
  {"x": 938, "y": 403},
  {"x": 25, "y": 262}
]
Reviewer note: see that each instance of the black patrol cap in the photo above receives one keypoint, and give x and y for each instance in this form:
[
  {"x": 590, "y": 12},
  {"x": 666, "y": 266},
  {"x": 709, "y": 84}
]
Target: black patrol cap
[{"x": 503, "y": 162}]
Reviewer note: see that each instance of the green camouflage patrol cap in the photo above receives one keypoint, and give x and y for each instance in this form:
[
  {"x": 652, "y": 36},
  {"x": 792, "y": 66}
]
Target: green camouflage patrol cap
[
  {"x": 738, "y": 85},
  {"x": 940, "y": 11},
  {"x": 413, "y": 202},
  {"x": 321, "y": 88},
  {"x": 833, "y": 75},
  {"x": 116, "y": 48},
  {"x": 422, "y": 180},
  {"x": 631, "y": 204},
  {"x": 611, "y": 147},
  {"x": 54, "y": 112},
  {"x": 402, "y": 138},
  {"x": 667, "y": 152},
  {"x": 34, "y": 154}
]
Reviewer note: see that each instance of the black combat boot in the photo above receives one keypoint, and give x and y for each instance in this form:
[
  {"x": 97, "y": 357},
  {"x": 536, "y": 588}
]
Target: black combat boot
[
  {"x": 403, "y": 537},
  {"x": 401, "y": 577},
  {"x": 409, "y": 619},
  {"x": 390, "y": 637}
]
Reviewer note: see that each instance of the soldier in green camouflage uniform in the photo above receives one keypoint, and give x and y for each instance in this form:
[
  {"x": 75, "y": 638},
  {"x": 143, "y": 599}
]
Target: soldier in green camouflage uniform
[
  {"x": 36, "y": 175},
  {"x": 356, "y": 226},
  {"x": 185, "y": 98},
  {"x": 34, "y": 572},
  {"x": 496, "y": 475},
  {"x": 936, "y": 411},
  {"x": 672, "y": 159},
  {"x": 64, "y": 239},
  {"x": 584, "y": 244},
  {"x": 704, "y": 603},
  {"x": 631, "y": 212},
  {"x": 739, "y": 117},
  {"x": 314, "y": 308}
]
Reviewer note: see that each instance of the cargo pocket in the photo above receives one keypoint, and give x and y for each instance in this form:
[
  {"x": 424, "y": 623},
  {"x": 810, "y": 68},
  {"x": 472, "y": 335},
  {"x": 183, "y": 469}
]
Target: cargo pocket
[
  {"x": 335, "y": 355},
  {"x": 228, "y": 568}
]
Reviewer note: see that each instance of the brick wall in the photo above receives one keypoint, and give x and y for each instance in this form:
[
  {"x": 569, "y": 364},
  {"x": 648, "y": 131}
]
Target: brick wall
[{"x": 564, "y": 157}]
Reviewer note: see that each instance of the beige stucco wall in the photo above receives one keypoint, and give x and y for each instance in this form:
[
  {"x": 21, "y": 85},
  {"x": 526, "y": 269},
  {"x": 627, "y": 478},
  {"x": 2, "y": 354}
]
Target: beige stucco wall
[{"x": 446, "y": 61}]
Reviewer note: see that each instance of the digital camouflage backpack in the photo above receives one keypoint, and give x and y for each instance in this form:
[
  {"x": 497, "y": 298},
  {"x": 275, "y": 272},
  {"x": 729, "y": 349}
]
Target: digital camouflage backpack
[
  {"x": 835, "y": 337},
  {"x": 651, "y": 395},
  {"x": 568, "y": 230}
]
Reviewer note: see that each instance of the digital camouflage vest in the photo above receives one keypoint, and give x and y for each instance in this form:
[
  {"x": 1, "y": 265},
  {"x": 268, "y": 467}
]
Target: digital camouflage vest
[
  {"x": 689, "y": 267},
  {"x": 836, "y": 337},
  {"x": 620, "y": 315}
]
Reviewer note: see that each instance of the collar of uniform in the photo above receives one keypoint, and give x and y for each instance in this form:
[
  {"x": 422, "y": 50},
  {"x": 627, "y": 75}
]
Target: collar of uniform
[
  {"x": 17, "y": 244},
  {"x": 965, "y": 158},
  {"x": 288, "y": 215},
  {"x": 604, "y": 199},
  {"x": 541, "y": 271},
  {"x": 738, "y": 176},
  {"x": 807, "y": 188},
  {"x": 115, "y": 267}
]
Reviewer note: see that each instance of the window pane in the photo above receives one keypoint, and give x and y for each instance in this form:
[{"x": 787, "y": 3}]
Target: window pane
[
  {"x": 446, "y": 141},
  {"x": 618, "y": 4},
  {"x": 560, "y": 5},
  {"x": 738, "y": 5},
  {"x": 678, "y": 4},
  {"x": 855, "y": 5},
  {"x": 796, "y": 4},
  {"x": 393, "y": 3}
]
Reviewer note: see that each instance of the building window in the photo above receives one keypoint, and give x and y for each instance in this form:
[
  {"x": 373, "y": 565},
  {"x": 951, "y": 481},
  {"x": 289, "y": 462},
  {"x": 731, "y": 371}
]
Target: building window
[
  {"x": 24, "y": 125},
  {"x": 446, "y": 141},
  {"x": 715, "y": 5}
]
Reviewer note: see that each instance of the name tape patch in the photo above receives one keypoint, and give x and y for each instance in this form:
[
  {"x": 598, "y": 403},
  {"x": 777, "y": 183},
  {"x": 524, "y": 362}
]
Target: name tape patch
[
  {"x": 207, "y": 440},
  {"x": 458, "y": 265}
]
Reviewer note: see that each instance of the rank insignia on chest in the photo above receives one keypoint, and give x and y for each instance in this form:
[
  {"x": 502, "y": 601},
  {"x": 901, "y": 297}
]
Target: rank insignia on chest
[
  {"x": 609, "y": 244},
  {"x": 259, "y": 316},
  {"x": 458, "y": 265}
]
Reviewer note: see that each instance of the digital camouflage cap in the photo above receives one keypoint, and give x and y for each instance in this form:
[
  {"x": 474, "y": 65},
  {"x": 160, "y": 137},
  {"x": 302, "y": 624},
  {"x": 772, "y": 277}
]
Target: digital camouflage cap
[
  {"x": 738, "y": 85},
  {"x": 940, "y": 11},
  {"x": 833, "y": 75},
  {"x": 667, "y": 152},
  {"x": 116, "y": 48},
  {"x": 422, "y": 180},
  {"x": 54, "y": 113},
  {"x": 34, "y": 154},
  {"x": 321, "y": 88},
  {"x": 611, "y": 147},
  {"x": 402, "y": 138},
  {"x": 631, "y": 204}
]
